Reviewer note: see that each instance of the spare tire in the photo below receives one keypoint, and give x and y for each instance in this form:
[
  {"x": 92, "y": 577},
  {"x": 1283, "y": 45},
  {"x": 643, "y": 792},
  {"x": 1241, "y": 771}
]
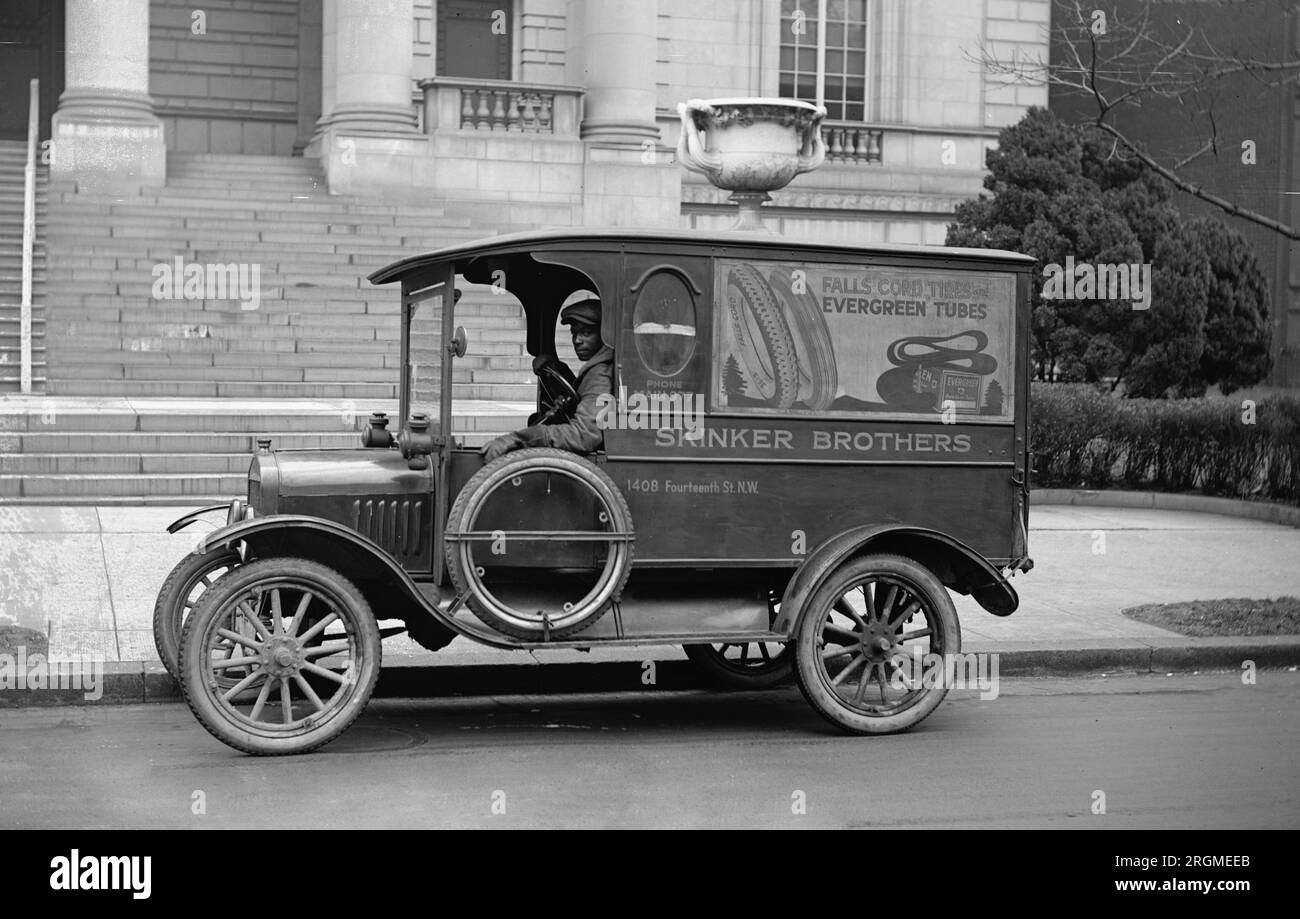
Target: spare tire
[{"x": 612, "y": 516}]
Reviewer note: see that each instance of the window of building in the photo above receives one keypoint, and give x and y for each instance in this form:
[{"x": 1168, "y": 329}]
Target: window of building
[
  {"x": 474, "y": 39},
  {"x": 824, "y": 55}
]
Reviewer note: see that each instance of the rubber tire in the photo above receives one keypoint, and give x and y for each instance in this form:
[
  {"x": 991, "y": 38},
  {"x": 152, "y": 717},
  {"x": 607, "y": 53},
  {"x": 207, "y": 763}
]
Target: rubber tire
[
  {"x": 169, "y": 608},
  {"x": 772, "y": 326},
  {"x": 808, "y": 328},
  {"x": 481, "y": 485},
  {"x": 778, "y": 671},
  {"x": 808, "y": 665},
  {"x": 194, "y": 687}
]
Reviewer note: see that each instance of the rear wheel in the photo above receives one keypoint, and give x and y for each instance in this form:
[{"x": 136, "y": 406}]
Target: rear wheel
[
  {"x": 306, "y": 646},
  {"x": 867, "y": 642}
]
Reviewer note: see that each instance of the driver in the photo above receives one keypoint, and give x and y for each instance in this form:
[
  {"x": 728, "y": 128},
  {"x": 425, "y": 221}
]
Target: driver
[{"x": 580, "y": 434}]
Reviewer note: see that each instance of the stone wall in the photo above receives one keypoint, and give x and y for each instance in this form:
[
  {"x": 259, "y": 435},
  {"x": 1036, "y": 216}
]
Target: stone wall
[
  {"x": 232, "y": 88},
  {"x": 539, "y": 53}
]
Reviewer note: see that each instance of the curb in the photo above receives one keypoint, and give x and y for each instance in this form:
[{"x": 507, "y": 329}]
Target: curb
[
  {"x": 1271, "y": 512},
  {"x": 1148, "y": 655},
  {"x": 416, "y": 676}
]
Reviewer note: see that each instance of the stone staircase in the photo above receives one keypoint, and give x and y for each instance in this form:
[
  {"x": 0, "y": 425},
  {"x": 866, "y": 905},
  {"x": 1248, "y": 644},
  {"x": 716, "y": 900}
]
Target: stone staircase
[
  {"x": 320, "y": 330},
  {"x": 162, "y": 400},
  {"x": 71, "y": 450},
  {"x": 13, "y": 158}
]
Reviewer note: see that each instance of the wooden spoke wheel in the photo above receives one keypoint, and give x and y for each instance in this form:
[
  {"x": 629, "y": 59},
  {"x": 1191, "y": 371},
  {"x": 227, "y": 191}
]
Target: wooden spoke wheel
[
  {"x": 306, "y": 647},
  {"x": 867, "y": 641}
]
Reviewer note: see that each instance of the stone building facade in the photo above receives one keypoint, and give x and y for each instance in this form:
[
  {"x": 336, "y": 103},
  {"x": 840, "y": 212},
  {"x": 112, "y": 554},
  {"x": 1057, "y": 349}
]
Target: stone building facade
[{"x": 549, "y": 112}]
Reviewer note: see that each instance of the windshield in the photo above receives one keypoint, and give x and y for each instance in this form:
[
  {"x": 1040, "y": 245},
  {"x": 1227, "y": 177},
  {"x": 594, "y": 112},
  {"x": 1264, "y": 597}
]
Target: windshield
[
  {"x": 492, "y": 385},
  {"x": 425, "y": 353}
]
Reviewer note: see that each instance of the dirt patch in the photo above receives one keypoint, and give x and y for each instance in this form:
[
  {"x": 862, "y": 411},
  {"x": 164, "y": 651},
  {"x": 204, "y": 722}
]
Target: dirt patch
[{"x": 1237, "y": 616}]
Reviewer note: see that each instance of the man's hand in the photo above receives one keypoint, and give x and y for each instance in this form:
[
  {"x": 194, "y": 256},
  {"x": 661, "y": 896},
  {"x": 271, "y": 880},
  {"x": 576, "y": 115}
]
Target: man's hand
[{"x": 499, "y": 446}]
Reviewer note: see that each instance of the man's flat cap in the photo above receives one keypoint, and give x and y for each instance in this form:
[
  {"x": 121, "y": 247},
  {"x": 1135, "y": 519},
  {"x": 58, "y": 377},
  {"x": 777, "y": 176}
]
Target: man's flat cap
[{"x": 581, "y": 306}]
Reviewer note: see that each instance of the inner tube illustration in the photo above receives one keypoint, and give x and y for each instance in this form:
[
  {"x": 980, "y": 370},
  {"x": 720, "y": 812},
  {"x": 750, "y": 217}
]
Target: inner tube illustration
[
  {"x": 812, "y": 342},
  {"x": 929, "y": 370},
  {"x": 763, "y": 339}
]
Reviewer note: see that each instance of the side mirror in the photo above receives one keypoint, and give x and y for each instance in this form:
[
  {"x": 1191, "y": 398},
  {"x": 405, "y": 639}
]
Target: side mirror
[{"x": 459, "y": 341}]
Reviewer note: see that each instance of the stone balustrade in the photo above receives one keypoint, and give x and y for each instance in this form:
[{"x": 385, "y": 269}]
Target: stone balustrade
[
  {"x": 453, "y": 104},
  {"x": 849, "y": 142}
]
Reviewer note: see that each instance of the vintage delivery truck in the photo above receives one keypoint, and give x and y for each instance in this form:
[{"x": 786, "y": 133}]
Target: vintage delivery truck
[{"x": 806, "y": 447}]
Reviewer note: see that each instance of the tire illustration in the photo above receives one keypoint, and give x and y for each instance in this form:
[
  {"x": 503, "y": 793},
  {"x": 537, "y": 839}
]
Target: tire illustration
[
  {"x": 307, "y": 642},
  {"x": 897, "y": 616},
  {"x": 180, "y": 592},
  {"x": 613, "y": 517},
  {"x": 818, "y": 378},
  {"x": 763, "y": 339}
]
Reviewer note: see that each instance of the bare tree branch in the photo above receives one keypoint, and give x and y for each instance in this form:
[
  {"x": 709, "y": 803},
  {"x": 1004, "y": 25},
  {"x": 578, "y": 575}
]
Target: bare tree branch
[
  {"x": 1182, "y": 184},
  {"x": 1130, "y": 63}
]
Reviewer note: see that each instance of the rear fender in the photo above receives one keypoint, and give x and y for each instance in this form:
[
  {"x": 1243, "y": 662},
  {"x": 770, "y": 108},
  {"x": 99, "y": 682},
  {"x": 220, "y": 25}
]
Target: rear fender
[
  {"x": 387, "y": 586},
  {"x": 956, "y": 564}
]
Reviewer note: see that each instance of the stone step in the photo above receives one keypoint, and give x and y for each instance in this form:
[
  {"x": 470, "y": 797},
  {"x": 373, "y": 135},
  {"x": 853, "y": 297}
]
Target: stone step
[
  {"x": 123, "y": 452},
  {"x": 51, "y": 420},
  {"x": 12, "y": 383},
  {"x": 228, "y": 389},
  {"x": 78, "y": 463},
  {"x": 250, "y": 389},
  {"x": 139, "y": 443},
  {"x": 215, "y": 486}
]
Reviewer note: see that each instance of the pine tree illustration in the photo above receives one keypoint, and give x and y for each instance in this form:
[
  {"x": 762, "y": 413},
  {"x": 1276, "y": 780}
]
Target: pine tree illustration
[
  {"x": 993, "y": 397},
  {"x": 733, "y": 381}
]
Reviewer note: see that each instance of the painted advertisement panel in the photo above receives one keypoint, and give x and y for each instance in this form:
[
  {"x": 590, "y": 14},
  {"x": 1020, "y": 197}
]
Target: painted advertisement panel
[{"x": 887, "y": 343}]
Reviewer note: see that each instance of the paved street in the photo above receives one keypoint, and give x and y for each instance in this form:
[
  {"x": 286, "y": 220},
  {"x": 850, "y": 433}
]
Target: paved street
[
  {"x": 88, "y": 576},
  {"x": 1183, "y": 751}
]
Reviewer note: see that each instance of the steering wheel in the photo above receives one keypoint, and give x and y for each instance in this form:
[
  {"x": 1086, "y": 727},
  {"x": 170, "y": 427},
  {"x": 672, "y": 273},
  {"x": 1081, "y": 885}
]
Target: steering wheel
[{"x": 558, "y": 390}]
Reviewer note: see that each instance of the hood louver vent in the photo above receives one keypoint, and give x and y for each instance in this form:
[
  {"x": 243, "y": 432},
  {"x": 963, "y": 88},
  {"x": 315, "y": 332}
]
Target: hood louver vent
[{"x": 397, "y": 524}]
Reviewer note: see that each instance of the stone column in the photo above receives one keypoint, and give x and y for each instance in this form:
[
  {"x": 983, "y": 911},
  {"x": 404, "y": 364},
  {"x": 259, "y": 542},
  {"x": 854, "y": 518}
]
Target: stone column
[
  {"x": 105, "y": 131},
  {"x": 372, "y": 70},
  {"x": 367, "y": 139},
  {"x": 615, "y": 62},
  {"x": 629, "y": 177},
  {"x": 311, "y": 92}
]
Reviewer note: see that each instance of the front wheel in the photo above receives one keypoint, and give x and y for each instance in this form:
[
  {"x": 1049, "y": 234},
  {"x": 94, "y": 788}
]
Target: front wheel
[
  {"x": 869, "y": 640},
  {"x": 305, "y": 643}
]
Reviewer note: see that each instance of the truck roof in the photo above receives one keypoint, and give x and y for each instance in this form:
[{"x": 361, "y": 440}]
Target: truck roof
[{"x": 536, "y": 239}]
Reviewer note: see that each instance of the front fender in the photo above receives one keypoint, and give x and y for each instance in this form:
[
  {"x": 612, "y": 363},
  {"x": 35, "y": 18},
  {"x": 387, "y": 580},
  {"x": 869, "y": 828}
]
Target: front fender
[
  {"x": 181, "y": 523},
  {"x": 956, "y": 564},
  {"x": 386, "y": 584}
]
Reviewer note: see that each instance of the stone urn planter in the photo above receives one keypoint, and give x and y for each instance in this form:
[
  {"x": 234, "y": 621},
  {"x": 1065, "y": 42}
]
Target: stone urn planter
[{"x": 750, "y": 147}]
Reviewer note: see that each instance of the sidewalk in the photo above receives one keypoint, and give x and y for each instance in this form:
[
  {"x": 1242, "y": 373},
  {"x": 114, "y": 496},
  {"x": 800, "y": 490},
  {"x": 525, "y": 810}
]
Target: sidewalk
[{"x": 87, "y": 578}]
